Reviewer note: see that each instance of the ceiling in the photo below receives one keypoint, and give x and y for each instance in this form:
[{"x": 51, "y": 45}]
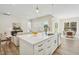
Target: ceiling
[
  {"x": 66, "y": 10},
  {"x": 27, "y": 11}
]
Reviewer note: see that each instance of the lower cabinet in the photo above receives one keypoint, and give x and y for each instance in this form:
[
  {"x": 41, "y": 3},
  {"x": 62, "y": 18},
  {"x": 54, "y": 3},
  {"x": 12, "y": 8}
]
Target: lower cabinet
[
  {"x": 25, "y": 48},
  {"x": 45, "y": 47}
]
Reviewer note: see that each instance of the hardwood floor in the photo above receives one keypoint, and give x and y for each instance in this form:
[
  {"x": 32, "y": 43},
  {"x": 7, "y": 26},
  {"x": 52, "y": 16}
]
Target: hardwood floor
[
  {"x": 9, "y": 50},
  {"x": 68, "y": 47}
]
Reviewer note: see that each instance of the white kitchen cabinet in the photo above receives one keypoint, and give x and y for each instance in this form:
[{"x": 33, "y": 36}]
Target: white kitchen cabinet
[
  {"x": 40, "y": 45},
  {"x": 25, "y": 48},
  {"x": 15, "y": 40}
]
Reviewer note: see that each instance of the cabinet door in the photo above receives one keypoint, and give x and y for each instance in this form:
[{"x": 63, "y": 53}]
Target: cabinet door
[
  {"x": 54, "y": 44},
  {"x": 39, "y": 51}
]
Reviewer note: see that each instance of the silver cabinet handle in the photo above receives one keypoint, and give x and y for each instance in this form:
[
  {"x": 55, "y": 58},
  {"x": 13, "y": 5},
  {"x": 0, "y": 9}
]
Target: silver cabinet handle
[
  {"x": 40, "y": 50},
  {"x": 40, "y": 45}
]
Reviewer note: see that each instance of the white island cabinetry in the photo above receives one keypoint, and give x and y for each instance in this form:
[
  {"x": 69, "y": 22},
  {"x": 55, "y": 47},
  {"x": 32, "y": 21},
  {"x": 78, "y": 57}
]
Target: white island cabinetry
[{"x": 37, "y": 45}]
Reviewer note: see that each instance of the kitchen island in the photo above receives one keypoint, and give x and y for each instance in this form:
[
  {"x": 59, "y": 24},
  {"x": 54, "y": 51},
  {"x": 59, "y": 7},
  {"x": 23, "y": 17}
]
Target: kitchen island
[{"x": 39, "y": 44}]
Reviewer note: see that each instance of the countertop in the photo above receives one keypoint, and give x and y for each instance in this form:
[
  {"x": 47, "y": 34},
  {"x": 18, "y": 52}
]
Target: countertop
[{"x": 34, "y": 39}]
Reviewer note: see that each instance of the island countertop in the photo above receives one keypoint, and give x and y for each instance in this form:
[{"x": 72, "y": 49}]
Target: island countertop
[{"x": 30, "y": 38}]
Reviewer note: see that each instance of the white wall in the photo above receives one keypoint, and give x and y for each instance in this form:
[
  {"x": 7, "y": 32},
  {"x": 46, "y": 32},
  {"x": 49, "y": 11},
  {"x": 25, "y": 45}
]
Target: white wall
[
  {"x": 5, "y": 23},
  {"x": 65, "y": 10}
]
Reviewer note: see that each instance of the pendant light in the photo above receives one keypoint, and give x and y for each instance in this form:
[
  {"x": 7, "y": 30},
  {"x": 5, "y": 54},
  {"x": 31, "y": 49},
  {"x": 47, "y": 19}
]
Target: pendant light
[{"x": 37, "y": 9}]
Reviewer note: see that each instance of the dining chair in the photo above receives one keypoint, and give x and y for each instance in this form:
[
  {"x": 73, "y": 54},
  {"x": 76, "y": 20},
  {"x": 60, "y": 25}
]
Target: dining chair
[{"x": 3, "y": 44}]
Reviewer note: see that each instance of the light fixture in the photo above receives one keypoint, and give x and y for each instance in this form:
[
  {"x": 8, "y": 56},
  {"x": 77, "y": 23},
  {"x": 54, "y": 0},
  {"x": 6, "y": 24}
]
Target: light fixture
[
  {"x": 7, "y": 13},
  {"x": 37, "y": 9}
]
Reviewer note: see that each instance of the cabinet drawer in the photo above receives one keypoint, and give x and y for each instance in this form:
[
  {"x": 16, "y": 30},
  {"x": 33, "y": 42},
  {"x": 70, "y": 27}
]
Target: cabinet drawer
[
  {"x": 40, "y": 45},
  {"x": 49, "y": 42},
  {"x": 48, "y": 50},
  {"x": 39, "y": 52}
]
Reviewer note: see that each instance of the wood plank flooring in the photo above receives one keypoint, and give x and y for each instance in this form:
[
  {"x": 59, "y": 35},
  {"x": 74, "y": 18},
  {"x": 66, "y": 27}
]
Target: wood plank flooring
[
  {"x": 68, "y": 47},
  {"x": 9, "y": 50}
]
